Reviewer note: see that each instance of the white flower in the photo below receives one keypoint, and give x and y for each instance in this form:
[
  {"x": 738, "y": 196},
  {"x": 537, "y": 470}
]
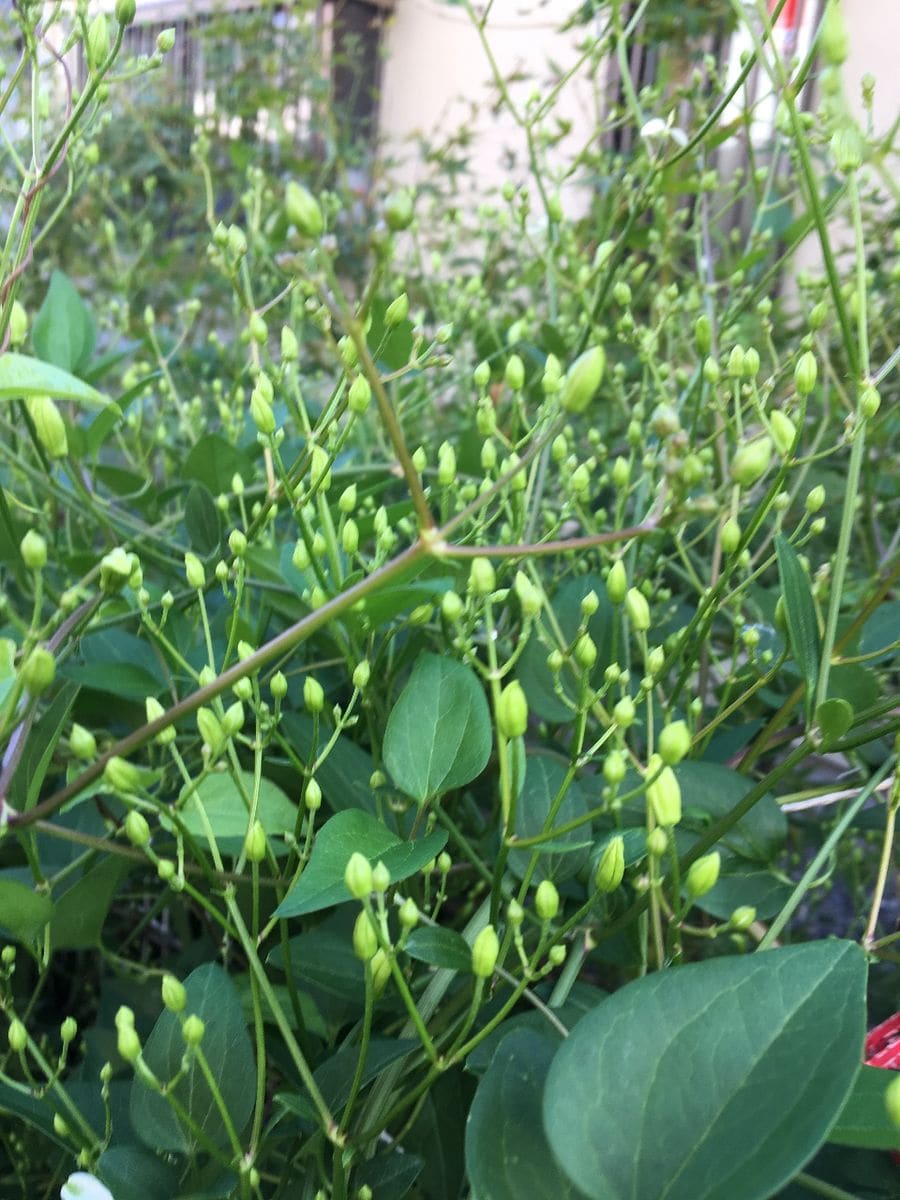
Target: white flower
[
  {"x": 82, "y": 1186},
  {"x": 656, "y": 127}
]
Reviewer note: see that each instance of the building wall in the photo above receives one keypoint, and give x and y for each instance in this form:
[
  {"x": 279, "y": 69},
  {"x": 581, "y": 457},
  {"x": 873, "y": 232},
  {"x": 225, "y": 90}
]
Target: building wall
[{"x": 436, "y": 76}]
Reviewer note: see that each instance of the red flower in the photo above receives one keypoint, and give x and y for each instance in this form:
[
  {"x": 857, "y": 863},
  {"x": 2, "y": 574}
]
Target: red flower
[{"x": 883, "y": 1050}]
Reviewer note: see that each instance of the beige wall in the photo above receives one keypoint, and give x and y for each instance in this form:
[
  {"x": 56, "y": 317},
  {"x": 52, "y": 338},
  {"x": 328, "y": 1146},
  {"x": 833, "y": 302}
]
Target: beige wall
[{"x": 436, "y": 70}]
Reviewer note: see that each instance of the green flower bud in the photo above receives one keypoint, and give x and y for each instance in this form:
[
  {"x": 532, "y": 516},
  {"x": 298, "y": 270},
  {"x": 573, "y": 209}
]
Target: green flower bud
[
  {"x": 49, "y": 427},
  {"x": 452, "y": 606},
  {"x": 742, "y": 918},
  {"x": 255, "y": 843},
  {"x": 481, "y": 376},
  {"x": 664, "y": 793},
  {"x": 115, "y": 570},
  {"x": 617, "y": 582},
  {"x": 302, "y": 210},
  {"x": 446, "y": 464},
  {"x": 585, "y": 652},
  {"x": 847, "y": 149},
  {"x": 165, "y": 869},
  {"x": 869, "y": 402},
  {"x": 784, "y": 432},
  {"x": 398, "y": 210},
  {"x": 347, "y": 499},
  {"x": 194, "y": 572},
  {"x": 546, "y": 900},
  {"x": 703, "y": 875},
  {"x": 193, "y": 1030},
  {"x": 556, "y": 955},
  {"x": 712, "y": 372},
  {"x": 834, "y": 38},
  {"x": 365, "y": 939},
  {"x": 290, "y": 348},
  {"x": 611, "y": 867},
  {"x": 583, "y": 379},
  {"x": 730, "y": 536},
  {"x": 674, "y": 742},
  {"x": 165, "y": 41},
  {"x": 381, "y": 877},
  {"x": 358, "y": 876},
  {"x": 637, "y": 610},
  {"x": 624, "y": 713},
  {"x": 312, "y": 796},
  {"x": 210, "y": 730},
  {"x": 530, "y": 600},
  {"x": 362, "y": 673},
  {"x": 751, "y": 461},
  {"x": 614, "y": 767},
  {"x": 17, "y": 1035},
  {"x": 359, "y": 395},
  {"x": 805, "y": 373},
  {"x": 657, "y": 842},
  {"x": 815, "y": 499},
  {"x": 261, "y": 412},
  {"x": 18, "y": 324},
  {"x": 485, "y": 952},
  {"x": 482, "y": 579},
  {"x": 82, "y": 742},
  {"x": 622, "y": 293},
  {"x": 174, "y": 996},
  {"x": 38, "y": 671},
  {"x": 68, "y": 1030},
  {"x": 136, "y": 828},
  {"x": 892, "y": 1101},
  {"x": 703, "y": 334},
  {"x": 97, "y": 44},
  {"x": 656, "y": 658},
  {"x": 33, "y": 549},
  {"x": 512, "y": 711},
  {"x": 313, "y": 695},
  {"x": 259, "y": 330},
  {"x": 121, "y": 775},
  {"x": 380, "y": 966},
  {"x": 320, "y": 469},
  {"x": 444, "y": 862},
  {"x": 751, "y": 363},
  {"x": 128, "y": 1043},
  {"x": 409, "y": 913},
  {"x": 514, "y": 374},
  {"x": 397, "y": 311},
  {"x": 350, "y": 537}
]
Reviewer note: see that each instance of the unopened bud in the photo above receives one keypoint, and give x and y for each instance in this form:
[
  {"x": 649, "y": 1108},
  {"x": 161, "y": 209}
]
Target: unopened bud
[
  {"x": 358, "y": 876},
  {"x": 33, "y": 549},
  {"x": 546, "y": 900},
  {"x": 583, "y": 379},
  {"x": 397, "y": 311},
  {"x": 663, "y": 793},
  {"x": 482, "y": 579},
  {"x": 742, "y": 918},
  {"x": 365, "y": 939},
  {"x": 398, "y": 210},
  {"x": 302, "y": 210},
  {"x": 174, "y": 996},
  {"x": 784, "y": 432},
  {"x": 751, "y": 461},
  {"x": 512, "y": 711},
  {"x": 617, "y": 582},
  {"x": 193, "y": 1030},
  {"x": 313, "y": 695},
  {"x": 485, "y": 952},
  {"x": 82, "y": 742},
  {"x": 805, "y": 373},
  {"x": 611, "y": 867},
  {"x": 49, "y": 427},
  {"x": 674, "y": 742},
  {"x": 637, "y": 610},
  {"x": 703, "y": 875},
  {"x": 194, "y": 573},
  {"x": 255, "y": 843},
  {"x": 359, "y": 395},
  {"x": 657, "y": 842},
  {"x": 731, "y": 535},
  {"x": 136, "y": 828},
  {"x": 38, "y": 670},
  {"x": 17, "y": 1036}
]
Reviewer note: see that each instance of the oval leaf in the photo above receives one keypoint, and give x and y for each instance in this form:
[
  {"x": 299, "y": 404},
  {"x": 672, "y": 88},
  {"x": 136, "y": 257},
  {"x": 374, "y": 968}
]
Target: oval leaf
[
  {"x": 833, "y": 717},
  {"x": 23, "y": 376},
  {"x": 226, "y": 1044},
  {"x": 507, "y": 1155},
  {"x": 711, "y": 1082},
  {"x": 438, "y": 735},
  {"x": 440, "y": 948},
  {"x": 63, "y": 332},
  {"x": 322, "y": 883}
]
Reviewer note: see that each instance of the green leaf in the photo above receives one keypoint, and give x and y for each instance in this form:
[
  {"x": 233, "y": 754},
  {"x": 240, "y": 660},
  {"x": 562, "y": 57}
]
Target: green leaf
[
  {"x": 214, "y": 462},
  {"x": 833, "y": 717},
  {"x": 438, "y": 735},
  {"x": 227, "y": 812},
  {"x": 117, "y": 663},
  {"x": 81, "y": 911},
  {"x": 881, "y": 633},
  {"x": 203, "y": 521},
  {"x": 335, "y": 1075},
  {"x": 325, "y": 962},
  {"x": 226, "y": 1045},
  {"x": 439, "y": 948},
  {"x": 864, "y": 1120},
  {"x": 714, "y": 790},
  {"x": 37, "y": 755},
  {"x": 322, "y": 883},
  {"x": 536, "y": 677},
  {"x": 23, "y": 912},
  {"x": 16, "y": 1100},
  {"x": 715, "y": 1081},
  {"x": 344, "y": 775},
  {"x": 133, "y": 1173},
  {"x": 765, "y": 892},
  {"x": 582, "y": 998},
  {"x": 390, "y": 1176},
  {"x": 23, "y": 376},
  {"x": 507, "y": 1155},
  {"x": 63, "y": 332},
  {"x": 800, "y": 613},
  {"x": 544, "y": 777}
]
